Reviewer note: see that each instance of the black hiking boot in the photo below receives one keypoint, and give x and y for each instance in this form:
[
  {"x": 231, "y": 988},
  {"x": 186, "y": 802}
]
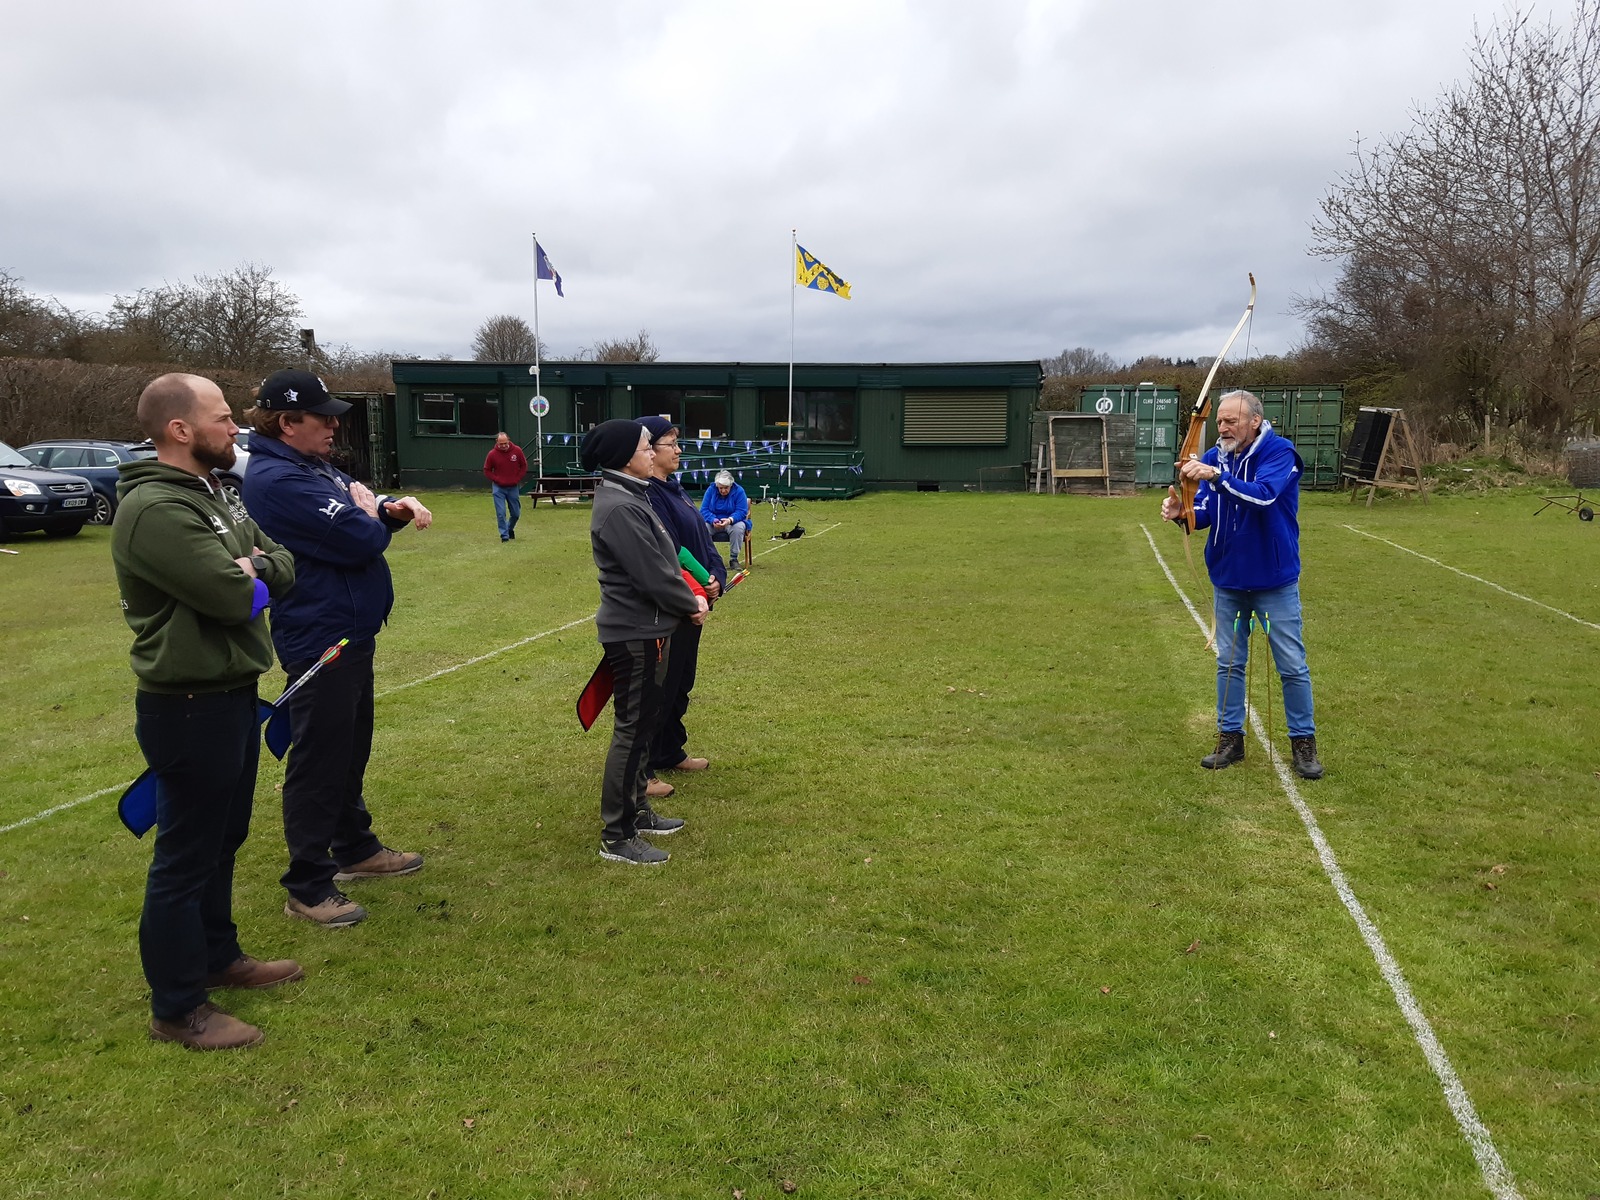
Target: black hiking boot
[
  {"x": 1305, "y": 757},
  {"x": 1230, "y": 749}
]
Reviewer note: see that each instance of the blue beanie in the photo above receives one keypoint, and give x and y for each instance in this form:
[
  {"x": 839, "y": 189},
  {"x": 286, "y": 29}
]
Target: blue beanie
[{"x": 659, "y": 427}]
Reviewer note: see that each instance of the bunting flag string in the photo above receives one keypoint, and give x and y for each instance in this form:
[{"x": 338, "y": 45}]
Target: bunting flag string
[{"x": 755, "y": 460}]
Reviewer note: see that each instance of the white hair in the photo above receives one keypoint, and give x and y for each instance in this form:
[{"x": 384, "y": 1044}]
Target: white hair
[
  {"x": 1252, "y": 402},
  {"x": 723, "y": 479}
]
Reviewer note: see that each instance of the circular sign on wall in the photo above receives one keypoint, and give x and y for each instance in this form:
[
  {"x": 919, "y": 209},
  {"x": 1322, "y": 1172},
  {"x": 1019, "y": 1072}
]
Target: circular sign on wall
[
  {"x": 539, "y": 406},
  {"x": 1103, "y": 405}
]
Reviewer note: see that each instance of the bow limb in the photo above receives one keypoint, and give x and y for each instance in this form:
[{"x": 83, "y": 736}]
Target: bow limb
[{"x": 1190, "y": 449}]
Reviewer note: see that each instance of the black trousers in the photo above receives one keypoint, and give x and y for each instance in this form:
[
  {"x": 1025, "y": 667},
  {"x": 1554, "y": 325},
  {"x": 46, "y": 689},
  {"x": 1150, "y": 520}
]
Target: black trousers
[
  {"x": 325, "y": 818},
  {"x": 203, "y": 749},
  {"x": 639, "y": 671},
  {"x": 670, "y": 745}
]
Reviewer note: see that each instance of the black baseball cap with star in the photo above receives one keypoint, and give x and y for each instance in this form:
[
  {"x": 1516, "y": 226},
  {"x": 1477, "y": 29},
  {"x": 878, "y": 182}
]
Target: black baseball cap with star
[{"x": 298, "y": 391}]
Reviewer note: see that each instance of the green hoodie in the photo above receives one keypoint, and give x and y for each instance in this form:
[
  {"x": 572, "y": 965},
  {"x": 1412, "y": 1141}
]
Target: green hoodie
[{"x": 188, "y": 602}]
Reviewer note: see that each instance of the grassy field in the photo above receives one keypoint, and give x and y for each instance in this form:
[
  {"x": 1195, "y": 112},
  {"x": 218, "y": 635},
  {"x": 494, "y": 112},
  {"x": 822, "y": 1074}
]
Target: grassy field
[{"x": 956, "y": 914}]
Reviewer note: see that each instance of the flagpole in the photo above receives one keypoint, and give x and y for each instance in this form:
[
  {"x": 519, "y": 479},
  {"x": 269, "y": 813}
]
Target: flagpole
[
  {"x": 538, "y": 379},
  {"x": 794, "y": 259}
]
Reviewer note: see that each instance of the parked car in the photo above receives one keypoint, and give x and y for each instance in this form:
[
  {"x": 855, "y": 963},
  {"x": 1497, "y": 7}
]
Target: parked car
[
  {"x": 33, "y": 498},
  {"x": 230, "y": 480},
  {"x": 95, "y": 459}
]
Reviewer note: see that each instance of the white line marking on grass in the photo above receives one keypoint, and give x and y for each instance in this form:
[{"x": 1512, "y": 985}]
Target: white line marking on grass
[
  {"x": 50, "y": 812},
  {"x": 791, "y": 541},
  {"x": 471, "y": 662},
  {"x": 1495, "y": 1172},
  {"x": 1474, "y": 578}
]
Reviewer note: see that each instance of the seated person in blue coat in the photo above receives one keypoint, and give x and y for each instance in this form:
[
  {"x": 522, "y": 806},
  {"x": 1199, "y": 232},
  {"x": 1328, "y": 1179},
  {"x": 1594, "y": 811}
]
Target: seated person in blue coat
[{"x": 726, "y": 509}]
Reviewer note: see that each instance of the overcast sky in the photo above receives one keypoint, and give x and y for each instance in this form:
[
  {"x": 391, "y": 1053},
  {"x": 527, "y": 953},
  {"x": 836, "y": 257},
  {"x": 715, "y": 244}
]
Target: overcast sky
[{"x": 995, "y": 178}]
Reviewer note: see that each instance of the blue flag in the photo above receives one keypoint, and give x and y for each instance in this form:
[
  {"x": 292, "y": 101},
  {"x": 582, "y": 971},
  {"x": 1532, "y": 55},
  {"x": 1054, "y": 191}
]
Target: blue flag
[{"x": 546, "y": 271}]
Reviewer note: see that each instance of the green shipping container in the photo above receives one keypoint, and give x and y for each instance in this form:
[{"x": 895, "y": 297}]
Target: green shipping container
[
  {"x": 1155, "y": 413},
  {"x": 1310, "y": 417}
]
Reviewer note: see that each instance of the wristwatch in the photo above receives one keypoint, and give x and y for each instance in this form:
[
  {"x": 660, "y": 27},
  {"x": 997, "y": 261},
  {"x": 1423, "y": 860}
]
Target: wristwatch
[{"x": 260, "y": 562}]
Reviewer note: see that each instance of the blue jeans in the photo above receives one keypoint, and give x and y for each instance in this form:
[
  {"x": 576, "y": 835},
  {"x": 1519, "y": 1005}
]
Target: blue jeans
[
  {"x": 1278, "y": 610},
  {"x": 507, "y": 501},
  {"x": 203, "y": 749}
]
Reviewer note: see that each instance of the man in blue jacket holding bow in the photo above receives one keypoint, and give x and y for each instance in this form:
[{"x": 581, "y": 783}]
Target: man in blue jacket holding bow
[
  {"x": 1249, "y": 497},
  {"x": 338, "y": 530}
]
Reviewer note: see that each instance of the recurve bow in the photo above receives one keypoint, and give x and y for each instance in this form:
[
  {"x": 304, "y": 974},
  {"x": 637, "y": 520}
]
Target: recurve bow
[{"x": 1190, "y": 449}]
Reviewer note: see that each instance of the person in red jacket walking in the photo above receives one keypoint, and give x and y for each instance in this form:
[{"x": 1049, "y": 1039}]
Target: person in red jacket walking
[{"x": 505, "y": 468}]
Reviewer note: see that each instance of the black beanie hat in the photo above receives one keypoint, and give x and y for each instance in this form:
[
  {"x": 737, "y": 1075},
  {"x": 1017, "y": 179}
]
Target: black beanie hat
[{"x": 609, "y": 444}]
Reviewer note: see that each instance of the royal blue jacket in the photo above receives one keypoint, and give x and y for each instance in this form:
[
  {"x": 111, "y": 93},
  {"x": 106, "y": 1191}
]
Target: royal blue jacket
[
  {"x": 714, "y": 506},
  {"x": 1252, "y": 510},
  {"x": 342, "y": 587},
  {"x": 688, "y": 531}
]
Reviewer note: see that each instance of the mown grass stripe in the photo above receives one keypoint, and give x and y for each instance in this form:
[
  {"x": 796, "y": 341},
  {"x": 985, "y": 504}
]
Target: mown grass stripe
[
  {"x": 1476, "y": 578},
  {"x": 1496, "y": 1175}
]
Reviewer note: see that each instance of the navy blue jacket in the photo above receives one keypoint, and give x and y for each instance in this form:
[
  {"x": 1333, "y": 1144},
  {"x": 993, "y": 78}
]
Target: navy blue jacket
[
  {"x": 1252, "y": 510},
  {"x": 342, "y": 586},
  {"x": 678, "y": 513}
]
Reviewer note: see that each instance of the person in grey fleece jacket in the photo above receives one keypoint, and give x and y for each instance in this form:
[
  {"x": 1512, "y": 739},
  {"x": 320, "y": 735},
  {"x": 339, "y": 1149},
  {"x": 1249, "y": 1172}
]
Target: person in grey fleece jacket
[{"x": 642, "y": 598}]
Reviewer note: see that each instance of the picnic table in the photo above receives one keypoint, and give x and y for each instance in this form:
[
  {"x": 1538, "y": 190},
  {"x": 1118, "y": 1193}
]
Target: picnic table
[{"x": 562, "y": 487}]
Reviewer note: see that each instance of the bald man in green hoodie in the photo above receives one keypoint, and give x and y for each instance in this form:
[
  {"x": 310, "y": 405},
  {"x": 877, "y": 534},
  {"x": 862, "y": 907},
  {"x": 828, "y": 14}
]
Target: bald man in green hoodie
[{"x": 196, "y": 576}]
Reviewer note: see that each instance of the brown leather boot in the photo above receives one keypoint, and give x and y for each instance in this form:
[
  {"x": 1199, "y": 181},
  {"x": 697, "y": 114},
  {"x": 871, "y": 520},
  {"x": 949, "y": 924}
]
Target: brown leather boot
[
  {"x": 206, "y": 1028},
  {"x": 658, "y": 789},
  {"x": 247, "y": 972}
]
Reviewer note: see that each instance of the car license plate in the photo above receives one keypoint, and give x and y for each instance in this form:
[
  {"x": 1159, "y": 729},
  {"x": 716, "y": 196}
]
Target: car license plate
[{"x": 80, "y": 502}]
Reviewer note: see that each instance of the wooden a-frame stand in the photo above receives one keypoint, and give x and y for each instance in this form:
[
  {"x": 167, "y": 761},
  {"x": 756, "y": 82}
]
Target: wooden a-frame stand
[{"x": 1399, "y": 453}]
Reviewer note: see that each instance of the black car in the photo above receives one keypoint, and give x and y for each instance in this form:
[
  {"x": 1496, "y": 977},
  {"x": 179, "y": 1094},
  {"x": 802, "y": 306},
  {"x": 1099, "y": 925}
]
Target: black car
[
  {"x": 95, "y": 459},
  {"x": 33, "y": 498}
]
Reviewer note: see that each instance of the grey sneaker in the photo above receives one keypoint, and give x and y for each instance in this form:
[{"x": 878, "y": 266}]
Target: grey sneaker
[
  {"x": 337, "y": 911},
  {"x": 650, "y": 821},
  {"x": 635, "y": 850}
]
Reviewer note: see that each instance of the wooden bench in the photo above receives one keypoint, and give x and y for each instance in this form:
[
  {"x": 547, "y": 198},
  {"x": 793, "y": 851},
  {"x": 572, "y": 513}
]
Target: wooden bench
[{"x": 562, "y": 487}]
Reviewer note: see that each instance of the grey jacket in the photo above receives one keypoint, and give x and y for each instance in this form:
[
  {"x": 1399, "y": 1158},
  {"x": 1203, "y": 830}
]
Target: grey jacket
[{"x": 642, "y": 592}]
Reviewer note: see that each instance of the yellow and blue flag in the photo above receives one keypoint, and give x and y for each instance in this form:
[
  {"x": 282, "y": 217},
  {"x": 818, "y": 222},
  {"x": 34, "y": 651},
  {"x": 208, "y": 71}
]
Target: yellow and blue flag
[{"x": 809, "y": 272}]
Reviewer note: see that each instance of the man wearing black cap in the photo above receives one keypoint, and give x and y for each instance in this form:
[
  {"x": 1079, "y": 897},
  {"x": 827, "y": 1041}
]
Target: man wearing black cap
[
  {"x": 642, "y": 599},
  {"x": 338, "y": 530}
]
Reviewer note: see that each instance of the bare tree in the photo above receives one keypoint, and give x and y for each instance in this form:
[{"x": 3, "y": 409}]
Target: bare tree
[
  {"x": 506, "y": 338},
  {"x": 1470, "y": 243},
  {"x": 638, "y": 348},
  {"x": 1082, "y": 361},
  {"x": 37, "y": 327},
  {"x": 243, "y": 320}
]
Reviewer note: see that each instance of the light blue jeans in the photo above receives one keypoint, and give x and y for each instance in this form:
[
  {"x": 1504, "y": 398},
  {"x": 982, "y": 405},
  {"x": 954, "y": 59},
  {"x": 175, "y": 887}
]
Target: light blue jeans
[
  {"x": 507, "y": 503},
  {"x": 1278, "y": 611}
]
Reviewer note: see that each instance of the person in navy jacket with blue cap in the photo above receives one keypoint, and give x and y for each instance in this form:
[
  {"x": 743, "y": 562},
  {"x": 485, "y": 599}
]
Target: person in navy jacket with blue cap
[
  {"x": 1249, "y": 497},
  {"x": 338, "y": 530}
]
